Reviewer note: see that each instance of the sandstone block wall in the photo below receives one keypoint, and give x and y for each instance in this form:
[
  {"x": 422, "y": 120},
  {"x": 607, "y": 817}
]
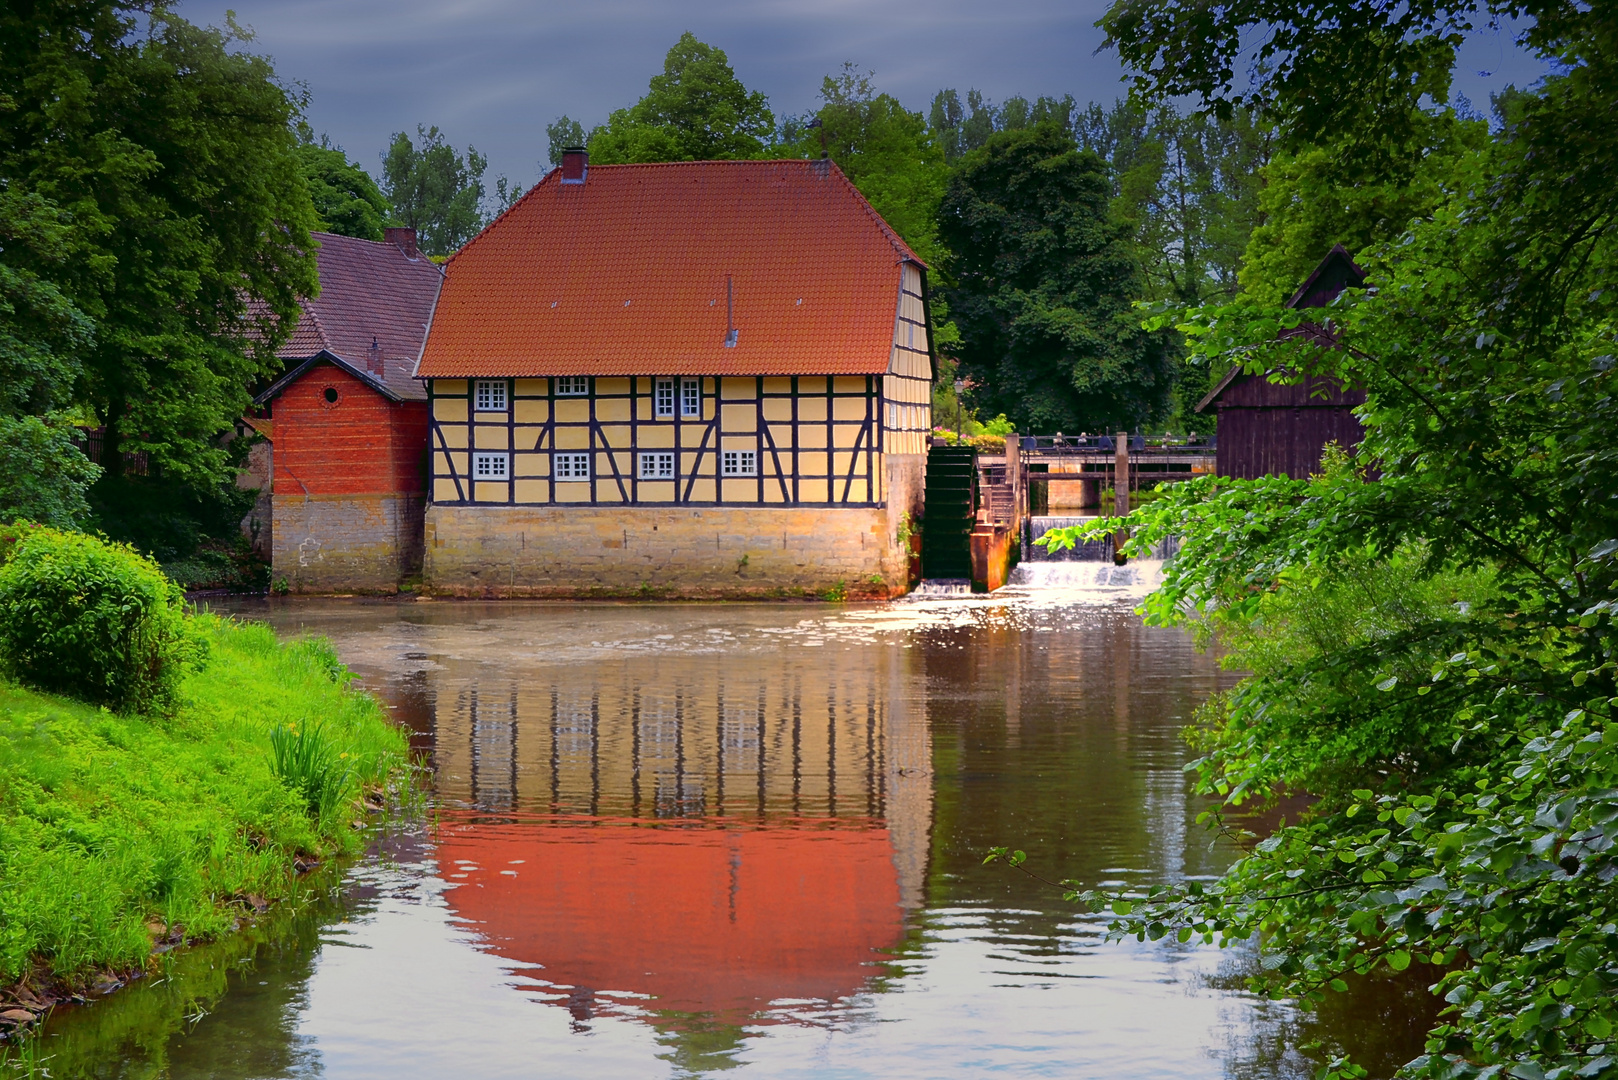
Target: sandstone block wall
[
  {"x": 347, "y": 543},
  {"x": 707, "y": 551}
]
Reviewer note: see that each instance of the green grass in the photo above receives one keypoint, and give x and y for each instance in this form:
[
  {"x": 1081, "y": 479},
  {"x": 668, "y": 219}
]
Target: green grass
[{"x": 114, "y": 829}]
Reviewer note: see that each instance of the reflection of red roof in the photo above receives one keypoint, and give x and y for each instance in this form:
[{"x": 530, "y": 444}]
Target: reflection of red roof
[
  {"x": 704, "y": 919},
  {"x": 626, "y": 274},
  {"x": 368, "y": 291}
]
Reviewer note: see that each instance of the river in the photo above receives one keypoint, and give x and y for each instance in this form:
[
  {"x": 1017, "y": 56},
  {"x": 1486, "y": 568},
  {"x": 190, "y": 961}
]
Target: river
[{"x": 685, "y": 839}]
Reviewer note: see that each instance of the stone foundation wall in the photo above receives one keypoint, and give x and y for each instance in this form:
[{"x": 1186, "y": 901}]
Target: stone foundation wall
[
  {"x": 347, "y": 543},
  {"x": 650, "y": 551}
]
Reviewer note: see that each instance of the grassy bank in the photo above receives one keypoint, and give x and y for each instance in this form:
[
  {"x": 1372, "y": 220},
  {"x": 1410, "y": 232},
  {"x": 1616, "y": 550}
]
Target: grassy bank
[{"x": 121, "y": 834}]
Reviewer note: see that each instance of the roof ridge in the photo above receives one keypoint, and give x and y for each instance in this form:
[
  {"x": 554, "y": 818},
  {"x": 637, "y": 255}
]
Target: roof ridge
[
  {"x": 443, "y": 267},
  {"x": 314, "y": 317}
]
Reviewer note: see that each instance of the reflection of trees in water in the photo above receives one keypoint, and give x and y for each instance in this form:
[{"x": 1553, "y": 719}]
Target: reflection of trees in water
[{"x": 1382, "y": 1021}]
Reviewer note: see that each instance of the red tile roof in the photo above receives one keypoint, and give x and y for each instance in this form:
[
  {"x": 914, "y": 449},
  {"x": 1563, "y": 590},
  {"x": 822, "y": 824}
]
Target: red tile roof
[
  {"x": 626, "y": 274},
  {"x": 368, "y": 290}
]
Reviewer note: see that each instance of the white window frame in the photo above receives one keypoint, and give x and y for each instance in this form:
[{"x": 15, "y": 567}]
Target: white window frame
[
  {"x": 489, "y": 395},
  {"x": 691, "y": 397},
  {"x": 738, "y": 463},
  {"x": 573, "y": 386},
  {"x": 491, "y": 466},
  {"x": 663, "y": 397},
  {"x": 657, "y": 465},
  {"x": 570, "y": 466}
]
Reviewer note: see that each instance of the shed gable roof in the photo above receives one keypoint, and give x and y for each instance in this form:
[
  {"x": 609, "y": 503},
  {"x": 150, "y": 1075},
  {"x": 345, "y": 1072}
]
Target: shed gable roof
[
  {"x": 368, "y": 291},
  {"x": 632, "y": 272},
  {"x": 1336, "y": 272}
]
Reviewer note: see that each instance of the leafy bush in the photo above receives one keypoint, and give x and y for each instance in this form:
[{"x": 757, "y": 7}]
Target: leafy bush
[
  {"x": 95, "y": 620},
  {"x": 308, "y": 761},
  {"x": 43, "y": 476}
]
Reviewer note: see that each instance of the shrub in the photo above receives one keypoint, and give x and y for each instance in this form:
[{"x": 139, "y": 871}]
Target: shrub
[
  {"x": 307, "y": 761},
  {"x": 94, "y": 620}
]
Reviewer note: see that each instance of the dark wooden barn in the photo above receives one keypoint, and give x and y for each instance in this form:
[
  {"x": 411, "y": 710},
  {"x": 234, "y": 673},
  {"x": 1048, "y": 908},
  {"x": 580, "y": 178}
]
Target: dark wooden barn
[{"x": 1280, "y": 429}]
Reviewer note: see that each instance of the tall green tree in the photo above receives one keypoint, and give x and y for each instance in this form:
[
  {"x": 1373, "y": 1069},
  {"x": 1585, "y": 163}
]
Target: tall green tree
[
  {"x": 435, "y": 190},
  {"x": 884, "y": 149},
  {"x": 1430, "y": 624},
  {"x": 1043, "y": 283},
  {"x": 563, "y": 133},
  {"x": 345, "y": 197},
  {"x": 696, "y": 110},
  {"x": 170, "y": 153}
]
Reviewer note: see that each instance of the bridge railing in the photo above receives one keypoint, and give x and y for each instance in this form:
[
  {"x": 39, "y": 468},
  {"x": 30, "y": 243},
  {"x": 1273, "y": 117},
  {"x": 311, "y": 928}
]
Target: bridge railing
[{"x": 1107, "y": 444}]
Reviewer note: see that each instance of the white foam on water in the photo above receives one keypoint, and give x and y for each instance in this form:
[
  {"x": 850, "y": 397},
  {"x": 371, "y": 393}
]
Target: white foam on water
[{"x": 1077, "y": 582}]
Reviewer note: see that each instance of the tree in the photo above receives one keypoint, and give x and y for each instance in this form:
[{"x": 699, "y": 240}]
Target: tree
[
  {"x": 564, "y": 134},
  {"x": 346, "y": 199},
  {"x": 434, "y": 190},
  {"x": 1043, "y": 281},
  {"x": 1430, "y": 623},
  {"x": 696, "y": 110},
  {"x": 170, "y": 154},
  {"x": 959, "y": 131},
  {"x": 887, "y": 152}
]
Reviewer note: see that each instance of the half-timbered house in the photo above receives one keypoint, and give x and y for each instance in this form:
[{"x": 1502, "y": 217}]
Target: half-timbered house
[
  {"x": 691, "y": 378},
  {"x": 348, "y": 420}
]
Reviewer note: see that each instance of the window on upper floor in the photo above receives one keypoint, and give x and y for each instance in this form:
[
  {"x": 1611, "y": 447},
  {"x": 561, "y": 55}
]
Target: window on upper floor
[
  {"x": 570, "y": 466},
  {"x": 663, "y": 396},
  {"x": 491, "y": 395},
  {"x": 690, "y": 397},
  {"x": 573, "y": 386}
]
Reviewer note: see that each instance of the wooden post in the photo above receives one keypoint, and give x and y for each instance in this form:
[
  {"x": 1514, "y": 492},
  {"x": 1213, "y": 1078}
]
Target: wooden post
[
  {"x": 1120, "y": 495},
  {"x": 1014, "y": 478}
]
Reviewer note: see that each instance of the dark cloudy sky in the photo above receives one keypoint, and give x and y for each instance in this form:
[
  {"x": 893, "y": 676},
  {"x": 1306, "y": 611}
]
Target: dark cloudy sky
[{"x": 493, "y": 73}]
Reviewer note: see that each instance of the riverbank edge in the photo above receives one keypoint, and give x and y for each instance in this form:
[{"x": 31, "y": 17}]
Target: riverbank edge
[{"x": 25, "y": 1002}]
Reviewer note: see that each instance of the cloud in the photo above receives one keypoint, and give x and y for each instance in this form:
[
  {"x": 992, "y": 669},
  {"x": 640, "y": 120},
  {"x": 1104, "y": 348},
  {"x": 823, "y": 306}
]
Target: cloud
[{"x": 493, "y": 73}]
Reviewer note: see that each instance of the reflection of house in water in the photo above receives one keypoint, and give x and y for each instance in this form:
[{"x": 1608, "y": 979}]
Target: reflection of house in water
[{"x": 712, "y": 835}]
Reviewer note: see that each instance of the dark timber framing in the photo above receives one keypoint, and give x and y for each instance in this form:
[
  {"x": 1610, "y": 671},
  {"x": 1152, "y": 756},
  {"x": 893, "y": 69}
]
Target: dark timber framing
[{"x": 616, "y": 422}]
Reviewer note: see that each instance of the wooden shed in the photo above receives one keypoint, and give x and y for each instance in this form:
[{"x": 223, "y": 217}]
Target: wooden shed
[{"x": 1281, "y": 428}]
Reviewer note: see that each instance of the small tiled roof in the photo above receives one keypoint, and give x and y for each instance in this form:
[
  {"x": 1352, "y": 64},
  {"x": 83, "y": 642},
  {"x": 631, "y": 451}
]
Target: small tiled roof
[
  {"x": 368, "y": 291},
  {"x": 626, "y": 274}
]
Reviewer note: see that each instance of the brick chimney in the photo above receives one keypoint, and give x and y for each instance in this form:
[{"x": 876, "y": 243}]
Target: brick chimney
[
  {"x": 575, "y": 164},
  {"x": 405, "y": 238},
  {"x": 373, "y": 355}
]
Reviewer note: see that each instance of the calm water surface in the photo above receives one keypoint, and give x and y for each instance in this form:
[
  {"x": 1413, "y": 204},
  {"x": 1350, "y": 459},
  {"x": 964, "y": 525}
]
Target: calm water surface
[{"x": 676, "y": 840}]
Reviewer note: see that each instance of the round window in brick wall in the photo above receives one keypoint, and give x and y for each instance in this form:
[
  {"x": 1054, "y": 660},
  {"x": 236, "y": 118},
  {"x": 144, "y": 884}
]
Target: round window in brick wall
[{"x": 329, "y": 397}]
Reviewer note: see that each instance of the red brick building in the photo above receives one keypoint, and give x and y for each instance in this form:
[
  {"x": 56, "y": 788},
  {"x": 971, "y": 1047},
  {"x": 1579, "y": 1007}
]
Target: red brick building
[{"x": 349, "y": 421}]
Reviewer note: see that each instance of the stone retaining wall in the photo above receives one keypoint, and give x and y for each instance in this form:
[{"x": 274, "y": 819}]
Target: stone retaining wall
[{"x": 346, "y": 543}]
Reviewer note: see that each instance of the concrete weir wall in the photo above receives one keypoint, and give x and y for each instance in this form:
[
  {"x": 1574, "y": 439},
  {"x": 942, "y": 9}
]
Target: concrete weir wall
[
  {"x": 679, "y": 551},
  {"x": 347, "y": 543}
]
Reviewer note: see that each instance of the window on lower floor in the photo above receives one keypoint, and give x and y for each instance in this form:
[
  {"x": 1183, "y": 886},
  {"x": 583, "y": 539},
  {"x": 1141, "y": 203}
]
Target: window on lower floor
[
  {"x": 657, "y": 466},
  {"x": 571, "y": 466},
  {"x": 491, "y": 395},
  {"x": 489, "y": 466},
  {"x": 739, "y": 463}
]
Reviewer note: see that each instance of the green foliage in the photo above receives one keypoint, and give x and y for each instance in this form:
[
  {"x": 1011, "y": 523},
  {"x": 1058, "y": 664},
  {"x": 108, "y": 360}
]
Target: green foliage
[
  {"x": 346, "y": 199},
  {"x": 885, "y": 151},
  {"x": 308, "y": 761},
  {"x": 163, "y": 157},
  {"x": 1308, "y": 203},
  {"x": 434, "y": 190},
  {"x": 110, "y": 822},
  {"x": 44, "y": 477},
  {"x": 96, "y": 620},
  {"x": 563, "y": 134},
  {"x": 958, "y": 130},
  {"x": 1433, "y": 648},
  {"x": 696, "y": 110},
  {"x": 1043, "y": 282},
  {"x": 41, "y": 330}
]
